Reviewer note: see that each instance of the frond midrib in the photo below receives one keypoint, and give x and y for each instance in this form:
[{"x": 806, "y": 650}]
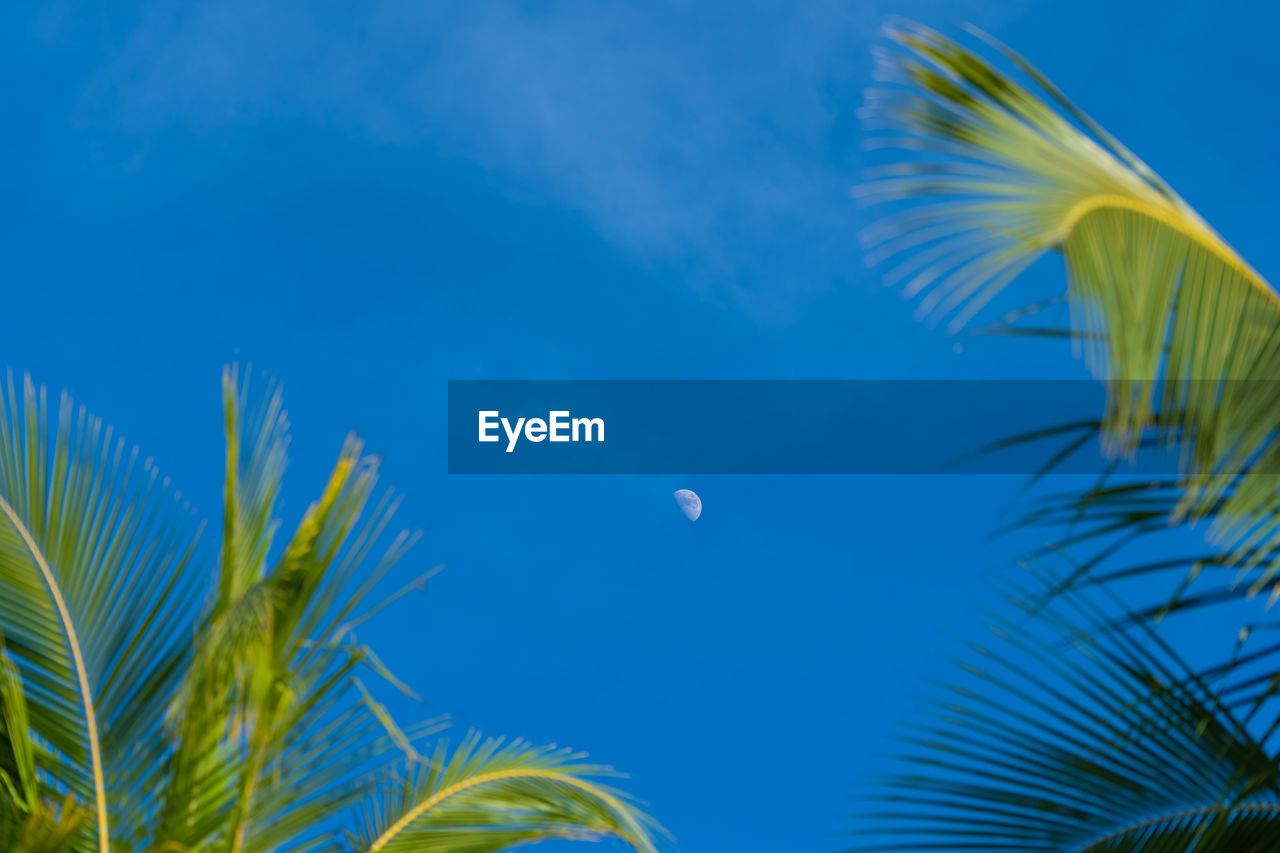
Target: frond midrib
[
  {"x": 484, "y": 778},
  {"x": 82, "y": 675},
  {"x": 1202, "y": 811},
  {"x": 1190, "y": 228}
]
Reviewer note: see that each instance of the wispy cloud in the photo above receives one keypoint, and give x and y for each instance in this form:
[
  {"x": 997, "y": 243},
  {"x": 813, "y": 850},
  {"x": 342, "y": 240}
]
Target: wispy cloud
[
  {"x": 699, "y": 135},
  {"x": 668, "y": 126}
]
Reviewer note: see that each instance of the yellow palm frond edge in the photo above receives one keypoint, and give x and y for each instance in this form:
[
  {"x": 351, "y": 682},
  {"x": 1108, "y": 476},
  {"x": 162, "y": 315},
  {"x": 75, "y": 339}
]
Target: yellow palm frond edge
[
  {"x": 490, "y": 794},
  {"x": 994, "y": 175}
]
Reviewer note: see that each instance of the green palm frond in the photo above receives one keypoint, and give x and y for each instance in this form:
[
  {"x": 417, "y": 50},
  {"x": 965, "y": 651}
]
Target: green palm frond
[
  {"x": 1179, "y": 326},
  {"x": 275, "y": 738},
  {"x": 488, "y": 796},
  {"x": 95, "y": 595},
  {"x": 1064, "y": 735},
  {"x": 43, "y": 829},
  {"x": 31, "y": 819},
  {"x": 153, "y": 702},
  {"x": 306, "y": 675},
  {"x": 257, "y": 438},
  {"x": 213, "y": 710},
  {"x": 17, "y": 750}
]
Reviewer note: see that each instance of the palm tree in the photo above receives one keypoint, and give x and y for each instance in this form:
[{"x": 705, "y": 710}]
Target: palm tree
[
  {"x": 1125, "y": 747},
  {"x": 155, "y": 697}
]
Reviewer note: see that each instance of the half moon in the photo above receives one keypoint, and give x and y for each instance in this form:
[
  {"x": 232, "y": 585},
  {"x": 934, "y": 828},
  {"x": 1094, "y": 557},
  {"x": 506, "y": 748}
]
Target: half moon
[{"x": 690, "y": 504}]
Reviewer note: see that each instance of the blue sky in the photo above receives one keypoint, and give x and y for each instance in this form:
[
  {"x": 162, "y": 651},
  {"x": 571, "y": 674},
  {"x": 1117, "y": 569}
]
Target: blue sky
[{"x": 368, "y": 199}]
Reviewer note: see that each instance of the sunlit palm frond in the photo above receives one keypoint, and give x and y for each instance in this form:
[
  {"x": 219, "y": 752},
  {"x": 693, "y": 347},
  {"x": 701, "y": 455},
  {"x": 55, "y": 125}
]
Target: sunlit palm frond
[
  {"x": 1064, "y": 735},
  {"x": 19, "y": 786},
  {"x": 209, "y": 716},
  {"x": 33, "y": 818},
  {"x": 297, "y": 738},
  {"x": 257, "y": 440},
  {"x": 96, "y": 602},
  {"x": 1168, "y": 314},
  {"x": 149, "y": 704},
  {"x": 488, "y": 796},
  {"x": 307, "y": 680},
  {"x": 330, "y": 756},
  {"x": 319, "y": 600}
]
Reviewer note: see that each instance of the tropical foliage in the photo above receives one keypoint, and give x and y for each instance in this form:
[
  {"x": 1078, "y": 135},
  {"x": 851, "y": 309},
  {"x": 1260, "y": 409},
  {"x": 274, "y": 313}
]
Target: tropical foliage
[
  {"x": 1080, "y": 728},
  {"x": 1064, "y": 734},
  {"x": 154, "y": 698}
]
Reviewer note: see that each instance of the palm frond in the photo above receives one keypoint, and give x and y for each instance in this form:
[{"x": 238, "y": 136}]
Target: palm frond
[
  {"x": 43, "y": 829},
  {"x": 213, "y": 710},
  {"x": 1176, "y": 323},
  {"x": 310, "y": 676},
  {"x": 280, "y": 736},
  {"x": 95, "y": 596},
  {"x": 31, "y": 818},
  {"x": 1066, "y": 735},
  {"x": 257, "y": 440},
  {"x": 142, "y": 708},
  {"x": 488, "y": 796},
  {"x": 18, "y": 783}
]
